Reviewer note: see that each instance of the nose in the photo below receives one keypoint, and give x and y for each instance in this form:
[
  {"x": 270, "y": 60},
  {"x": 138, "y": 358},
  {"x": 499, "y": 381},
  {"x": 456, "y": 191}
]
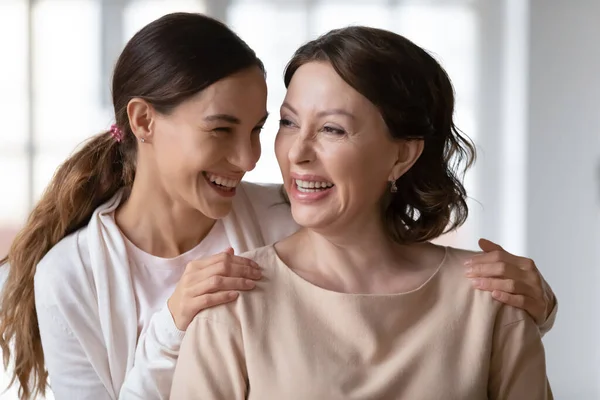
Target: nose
[
  {"x": 246, "y": 153},
  {"x": 302, "y": 149}
]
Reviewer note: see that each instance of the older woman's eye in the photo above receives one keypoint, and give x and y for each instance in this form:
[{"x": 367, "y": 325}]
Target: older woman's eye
[
  {"x": 333, "y": 130},
  {"x": 284, "y": 122}
]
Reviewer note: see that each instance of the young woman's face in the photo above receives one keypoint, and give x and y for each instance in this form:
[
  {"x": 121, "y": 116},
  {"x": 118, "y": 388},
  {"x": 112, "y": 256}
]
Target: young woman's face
[{"x": 204, "y": 146}]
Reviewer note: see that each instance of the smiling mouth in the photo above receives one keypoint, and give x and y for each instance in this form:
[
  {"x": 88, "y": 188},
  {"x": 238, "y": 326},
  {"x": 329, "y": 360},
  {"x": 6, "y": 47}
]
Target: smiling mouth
[
  {"x": 312, "y": 186},
  {"x": 220, "y": 182}
]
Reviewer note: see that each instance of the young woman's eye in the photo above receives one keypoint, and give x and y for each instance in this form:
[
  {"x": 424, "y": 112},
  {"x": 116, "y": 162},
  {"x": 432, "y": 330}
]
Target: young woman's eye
[{"x": 222, "y": 129}]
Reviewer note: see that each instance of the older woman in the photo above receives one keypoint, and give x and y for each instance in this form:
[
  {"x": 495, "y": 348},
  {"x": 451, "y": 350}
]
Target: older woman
[{"x": 358, "y": 304}]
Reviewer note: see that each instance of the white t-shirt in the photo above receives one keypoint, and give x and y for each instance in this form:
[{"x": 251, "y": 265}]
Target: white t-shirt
[{"x": 154, "y": 278}]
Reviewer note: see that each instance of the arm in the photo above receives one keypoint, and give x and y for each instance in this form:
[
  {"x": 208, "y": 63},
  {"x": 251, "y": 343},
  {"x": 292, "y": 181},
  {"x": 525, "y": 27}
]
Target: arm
[
  {"x": 72, "y": 374},
  {"x": 515, "y": 281},
  {"x": 155, "y": 358},
  {"x": 553, "y": 307},
  {"x": 211, "y": 365},
  {"x": 518, "y": 364}
]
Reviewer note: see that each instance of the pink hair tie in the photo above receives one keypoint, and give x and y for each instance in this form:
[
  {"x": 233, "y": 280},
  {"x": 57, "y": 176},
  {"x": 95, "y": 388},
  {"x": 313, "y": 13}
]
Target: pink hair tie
[{"x": 116, "y": 133}]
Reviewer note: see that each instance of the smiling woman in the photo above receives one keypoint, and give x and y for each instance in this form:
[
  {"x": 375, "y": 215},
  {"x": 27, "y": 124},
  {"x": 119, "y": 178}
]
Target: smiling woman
[
  {"x": 359, "y": 303},
  {"x": 136, "y": 232}
]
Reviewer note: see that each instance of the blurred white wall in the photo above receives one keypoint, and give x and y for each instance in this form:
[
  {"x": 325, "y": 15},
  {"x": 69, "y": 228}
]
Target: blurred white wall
[
  {"x": 527, "y": 78},
  {"x": 563, "y": 201}
]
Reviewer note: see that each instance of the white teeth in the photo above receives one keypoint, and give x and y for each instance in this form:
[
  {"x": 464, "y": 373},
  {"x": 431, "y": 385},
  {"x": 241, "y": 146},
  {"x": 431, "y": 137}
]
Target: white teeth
[
  {"x": 312, "y": 186},
  {"x": 219, "y": 180},
  {"x": 301, "y": 189}
]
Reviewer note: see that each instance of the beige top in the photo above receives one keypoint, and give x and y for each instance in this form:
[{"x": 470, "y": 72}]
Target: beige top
[{"x": 289, "y": 339}]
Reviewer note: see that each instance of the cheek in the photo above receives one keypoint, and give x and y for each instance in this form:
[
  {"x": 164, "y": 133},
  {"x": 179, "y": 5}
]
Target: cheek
[
  {"x": 256, "y": 148},
  {"x": 170, "y": 157},
  {"x": 359, "y": 173},
  {"x": 281, "y": 152},
  {"x": 185, "y": 160}
]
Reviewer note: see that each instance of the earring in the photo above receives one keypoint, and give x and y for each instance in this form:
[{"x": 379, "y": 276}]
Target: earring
[
  {"x": 393, "y": 187},
  {"x": 142, "y": 140}
]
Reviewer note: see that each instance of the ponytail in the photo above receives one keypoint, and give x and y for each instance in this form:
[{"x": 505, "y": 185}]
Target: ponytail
[
  {"x": 87, "y": 179},
  {"x": 165, "y": 63}
]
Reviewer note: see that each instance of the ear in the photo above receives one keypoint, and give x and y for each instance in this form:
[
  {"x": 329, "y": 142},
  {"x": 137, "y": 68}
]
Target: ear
[
  {"x": 409, "y": 152},
  {"x": 141, "y": 117}
]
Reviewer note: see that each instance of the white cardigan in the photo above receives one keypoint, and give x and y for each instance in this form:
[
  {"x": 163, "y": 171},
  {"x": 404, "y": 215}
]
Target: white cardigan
[{"x": 86, "y": 305}]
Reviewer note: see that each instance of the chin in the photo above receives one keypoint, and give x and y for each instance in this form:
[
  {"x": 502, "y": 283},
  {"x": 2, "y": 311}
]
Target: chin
[
  {"x": 216, "y": 210},
  {"x": 310, "y": 219},
  {"x": 221, "y": 211}
]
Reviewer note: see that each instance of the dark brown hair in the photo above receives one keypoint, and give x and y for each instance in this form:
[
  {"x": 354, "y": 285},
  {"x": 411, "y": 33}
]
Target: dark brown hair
[
  {"x": 416, "y": 100},
  {"x": 165, "y": 63}
]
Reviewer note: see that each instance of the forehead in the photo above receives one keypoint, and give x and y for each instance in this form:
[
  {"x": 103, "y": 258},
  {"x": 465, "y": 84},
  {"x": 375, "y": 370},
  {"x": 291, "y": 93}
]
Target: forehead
[
  {"x": 242, "y": 93},
  {"x": 316, "y": 85}
]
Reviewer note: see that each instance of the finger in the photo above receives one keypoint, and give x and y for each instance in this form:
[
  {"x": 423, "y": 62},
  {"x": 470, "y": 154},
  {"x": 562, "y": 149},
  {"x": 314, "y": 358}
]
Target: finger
[
  {"x": 221, "y": 258},
  {"x": 495, "y": 256},
  {"x": 229, "y": 255},
  {"x": 515, "y": 300},
  {"x": 495, "y": 270},
  {"x": 505, "y": 285},
  {"x": 217, "y": 283},
  {"x": 226, "y": 256},
  {"x": 231, "y": 270},
  {"x": 495, "y": 252},
  {"x": 520, "y": 301},
  {"x": 488, "y": 245},
  {"x": 211, "y": 300}
]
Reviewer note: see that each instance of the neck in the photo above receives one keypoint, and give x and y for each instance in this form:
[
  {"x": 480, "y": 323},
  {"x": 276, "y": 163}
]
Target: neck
[
  {"x": 357, "y": 258},
  {"x": 159, "y": 224}
]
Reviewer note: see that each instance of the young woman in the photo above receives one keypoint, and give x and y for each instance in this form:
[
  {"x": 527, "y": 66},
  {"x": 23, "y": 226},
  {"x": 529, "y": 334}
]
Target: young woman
[
  {"x": 136, "y": 232},
  {"x": 358, "y": 304}
]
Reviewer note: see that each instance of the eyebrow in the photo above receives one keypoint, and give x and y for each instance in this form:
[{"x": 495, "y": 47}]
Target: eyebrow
[
  {"x": 333, "y": 111},
  {"x": 264, "y": 119},
  {"x": 230, "y": 118},
  {"x": 223, "y": 117}
]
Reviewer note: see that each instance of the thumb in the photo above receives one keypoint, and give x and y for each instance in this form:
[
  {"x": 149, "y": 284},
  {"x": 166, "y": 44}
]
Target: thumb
[
  {"x": 230, "y": 250},
  {"x": 488, "y": 245}
]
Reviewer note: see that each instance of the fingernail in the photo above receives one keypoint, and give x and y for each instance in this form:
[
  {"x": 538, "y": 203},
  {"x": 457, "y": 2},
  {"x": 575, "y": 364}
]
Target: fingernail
[
  {"x": 469, "y": 262},
  {"x": 256, "y": 273},
  {"x": 249, "y": 283},
  {"x": 233, "y": 295},
  {"x": 469, "y": 271},
  {"x": 476, "y": 282},
  {"x": 255, "y": 265}
]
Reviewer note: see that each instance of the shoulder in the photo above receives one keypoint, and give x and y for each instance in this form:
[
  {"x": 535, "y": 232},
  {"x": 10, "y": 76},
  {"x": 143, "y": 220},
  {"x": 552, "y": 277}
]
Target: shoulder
[
  {"x": 264, "y": 256},
  {"x": 63, "y": 273},
  {"x": 453, "y": 267},
  {"x": 457, "y": 289},
  {"x": 272, "y": 210},
  {"x": 254, "y": 305},
  {"x": 475, "y": 302}
]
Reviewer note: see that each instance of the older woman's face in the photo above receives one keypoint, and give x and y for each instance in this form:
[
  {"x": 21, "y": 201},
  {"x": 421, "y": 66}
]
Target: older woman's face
[{"x": 335, "y": 153}]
